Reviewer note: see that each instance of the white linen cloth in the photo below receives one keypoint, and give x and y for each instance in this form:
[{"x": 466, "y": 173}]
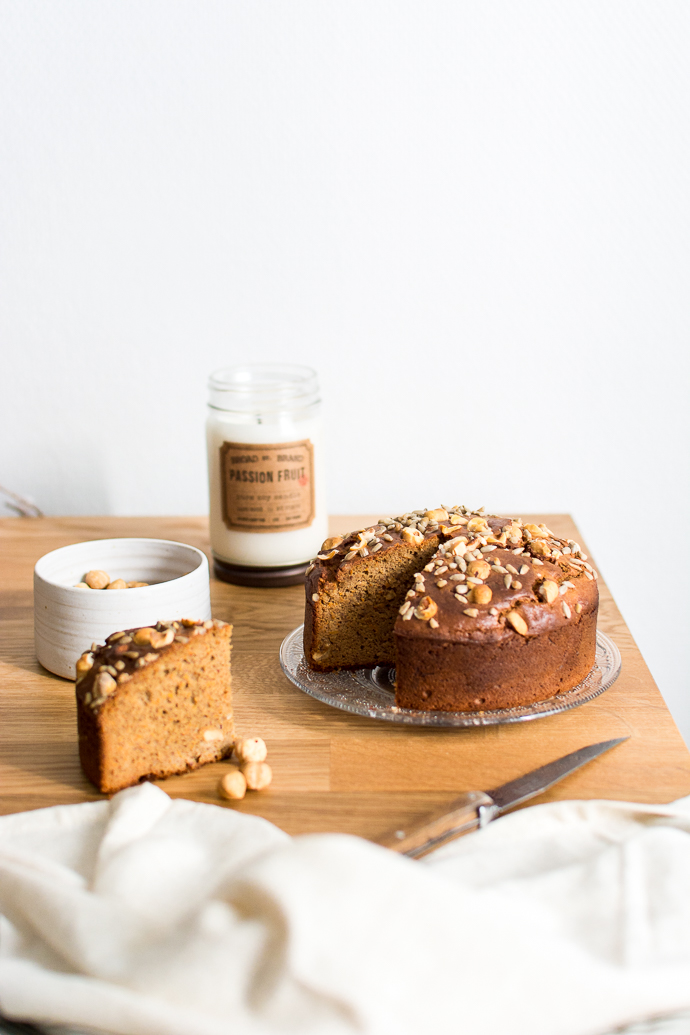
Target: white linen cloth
[{"x": 145, "y": 915}]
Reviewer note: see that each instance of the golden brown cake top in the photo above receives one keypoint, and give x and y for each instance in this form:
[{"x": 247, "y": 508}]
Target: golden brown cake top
[
  {"x": 106, "y": 666},
  {"x": 498, "y": 577}
]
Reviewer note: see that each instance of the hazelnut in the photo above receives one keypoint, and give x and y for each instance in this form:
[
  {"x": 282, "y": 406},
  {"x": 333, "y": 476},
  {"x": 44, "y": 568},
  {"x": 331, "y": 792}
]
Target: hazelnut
[
  {"x": 257, "y": 774},
  {"x": 538, "y": 548},
  {"x": 142, "y": 637},
  {"x": 481, "y": 595},
  {"x": 478, "y": 525},
  {"x": 105, "y": 684},
  {"x": 438, "y": 515},
  {"x": 412, "y": 536},
  {"x": 97, "y": 579},
  {"x": 232, "y": 785},
  {"x": 479, "y": 569},
  {"x": 548, "y": 591},
  {"x": 136, "y": 585},
  {"x": 85, "y": 664},
  {"x": 518, "y": 622},
  {"x": 81, "y": 585},
  {"x": 426, "y": 609},
  {"x": 117, "y": 584},
  {"x": 538, "y": 531},
  {"x": 330, "y": 544},
  {"x": 251, "y": 749},
  {"x": 161, "y": 639}
]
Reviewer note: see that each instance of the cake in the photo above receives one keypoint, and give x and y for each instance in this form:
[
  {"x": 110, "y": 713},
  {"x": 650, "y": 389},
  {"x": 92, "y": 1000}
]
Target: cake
[
  {"x": 154, "y": 701},
  {"x": 476, "y": 612}
]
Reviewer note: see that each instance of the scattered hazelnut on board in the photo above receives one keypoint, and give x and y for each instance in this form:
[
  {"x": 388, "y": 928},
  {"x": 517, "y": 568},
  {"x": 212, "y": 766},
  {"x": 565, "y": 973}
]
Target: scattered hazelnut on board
[
  {"x": 257, "y": 774},
  {"x": 251, "y": 749},
  {"x": 232, "y": 784},
  {"x": 97, "y": 579}
]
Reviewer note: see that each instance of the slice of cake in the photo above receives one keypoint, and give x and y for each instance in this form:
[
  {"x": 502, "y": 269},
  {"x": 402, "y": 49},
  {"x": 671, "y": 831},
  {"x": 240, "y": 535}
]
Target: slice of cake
[{"x": 154, "y": 701}]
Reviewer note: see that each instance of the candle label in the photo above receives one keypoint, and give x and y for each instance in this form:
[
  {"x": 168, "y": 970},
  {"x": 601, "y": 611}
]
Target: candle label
[{"x": 267, "y": 487}]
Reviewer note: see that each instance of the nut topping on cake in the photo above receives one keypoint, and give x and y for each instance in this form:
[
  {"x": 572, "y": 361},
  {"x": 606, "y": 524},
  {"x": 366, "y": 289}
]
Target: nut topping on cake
[
  {"x": 426, "y": 609},
  {"x": 518, "y": 623}
]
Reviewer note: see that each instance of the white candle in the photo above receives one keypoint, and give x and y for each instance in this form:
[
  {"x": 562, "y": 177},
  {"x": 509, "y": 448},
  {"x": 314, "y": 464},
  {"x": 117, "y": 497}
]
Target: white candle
[{"x": 265, "y": 461}]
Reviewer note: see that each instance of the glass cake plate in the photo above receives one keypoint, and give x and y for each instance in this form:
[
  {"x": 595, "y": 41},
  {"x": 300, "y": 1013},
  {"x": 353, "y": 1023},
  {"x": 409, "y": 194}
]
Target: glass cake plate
[{"x": 371, "y": 692}]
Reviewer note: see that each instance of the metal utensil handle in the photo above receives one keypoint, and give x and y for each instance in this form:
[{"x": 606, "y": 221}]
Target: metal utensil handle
[{"x": 460, "y": 817}]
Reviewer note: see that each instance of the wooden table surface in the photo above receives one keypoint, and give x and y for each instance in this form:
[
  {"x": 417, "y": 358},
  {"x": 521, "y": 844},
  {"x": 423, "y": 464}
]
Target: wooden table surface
[{"x": 332, "y": 771}]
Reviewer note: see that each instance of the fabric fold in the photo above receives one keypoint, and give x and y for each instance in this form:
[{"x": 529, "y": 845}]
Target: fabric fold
[{"x": 151, "y": 916}]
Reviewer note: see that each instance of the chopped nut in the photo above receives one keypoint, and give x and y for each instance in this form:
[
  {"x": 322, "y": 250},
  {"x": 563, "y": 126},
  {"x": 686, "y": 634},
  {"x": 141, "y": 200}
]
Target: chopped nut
[
  {"x": 162, "y": 639},
  {"x": 97, "y": 579},
  {"x": 548, "y": 591},
  {"x": 578, "y": 608},
  {"x": 257, "y": 774},
  {"x": 479, "y": 569},
  {"x": 251, "y": 749},
  {"x": 538, "y": 531},
  {"x": 426, "y": 609},
  {"x": 481, "y": 595},
  {"x": 232, "y": 785},
  {"x": 539, "y": 548},
  {"x": 124, "y": 677},
  {"x": 518, "y": 622},
  {"x": 212, "y": 735},
  {"x": 330, "y": 544},
  {"x": 142, "y": 637},
  {"x": 105, "y": 684},
  {"x": 117, "y": 584},
  {"x": 412, "y": 536},
  {"x": 85, "y": 664},
  {"x": 120, "y": 666},
  {"x": 433, "y": 624},
  {"x": 471, "y": 612},
  {"x": 438, "y": 515}
]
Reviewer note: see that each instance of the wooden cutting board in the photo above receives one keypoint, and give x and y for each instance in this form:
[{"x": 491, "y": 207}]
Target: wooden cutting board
[{"x": 332, "y": 771}]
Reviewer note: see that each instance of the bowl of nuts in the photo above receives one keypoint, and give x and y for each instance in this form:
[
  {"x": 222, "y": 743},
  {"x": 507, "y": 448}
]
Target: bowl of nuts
[{"x": 85, "y": 591}]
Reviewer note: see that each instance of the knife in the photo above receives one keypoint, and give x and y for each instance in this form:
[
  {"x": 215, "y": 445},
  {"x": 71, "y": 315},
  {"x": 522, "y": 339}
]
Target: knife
[{"x": 475, "y": 809}]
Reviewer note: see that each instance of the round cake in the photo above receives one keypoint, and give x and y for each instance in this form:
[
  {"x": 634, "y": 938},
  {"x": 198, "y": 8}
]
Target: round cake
[{"x": 476, "y": 612}]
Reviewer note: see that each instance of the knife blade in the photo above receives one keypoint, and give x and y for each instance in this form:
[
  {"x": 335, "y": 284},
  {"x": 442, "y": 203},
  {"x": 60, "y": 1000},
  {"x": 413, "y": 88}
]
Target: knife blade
[{"x": 477, "y": 808}]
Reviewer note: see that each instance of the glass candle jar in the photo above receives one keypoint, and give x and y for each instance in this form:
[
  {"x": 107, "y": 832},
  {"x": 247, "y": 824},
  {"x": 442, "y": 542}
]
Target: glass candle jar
[{"x": 265, "y": 460}]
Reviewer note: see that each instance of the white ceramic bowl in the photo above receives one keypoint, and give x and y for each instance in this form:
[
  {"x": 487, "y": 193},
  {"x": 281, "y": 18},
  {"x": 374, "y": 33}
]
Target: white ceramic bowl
[{"x": 68, "y": 620}]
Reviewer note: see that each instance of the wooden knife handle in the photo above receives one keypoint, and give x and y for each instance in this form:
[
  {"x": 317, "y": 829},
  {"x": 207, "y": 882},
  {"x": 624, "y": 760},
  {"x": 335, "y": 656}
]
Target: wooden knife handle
[{"x": 422, "y": 836}]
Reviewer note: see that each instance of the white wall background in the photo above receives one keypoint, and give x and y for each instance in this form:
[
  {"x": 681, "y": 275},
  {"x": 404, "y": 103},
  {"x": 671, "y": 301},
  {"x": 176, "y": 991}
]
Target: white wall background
[{"x": 471, "y": 218}]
